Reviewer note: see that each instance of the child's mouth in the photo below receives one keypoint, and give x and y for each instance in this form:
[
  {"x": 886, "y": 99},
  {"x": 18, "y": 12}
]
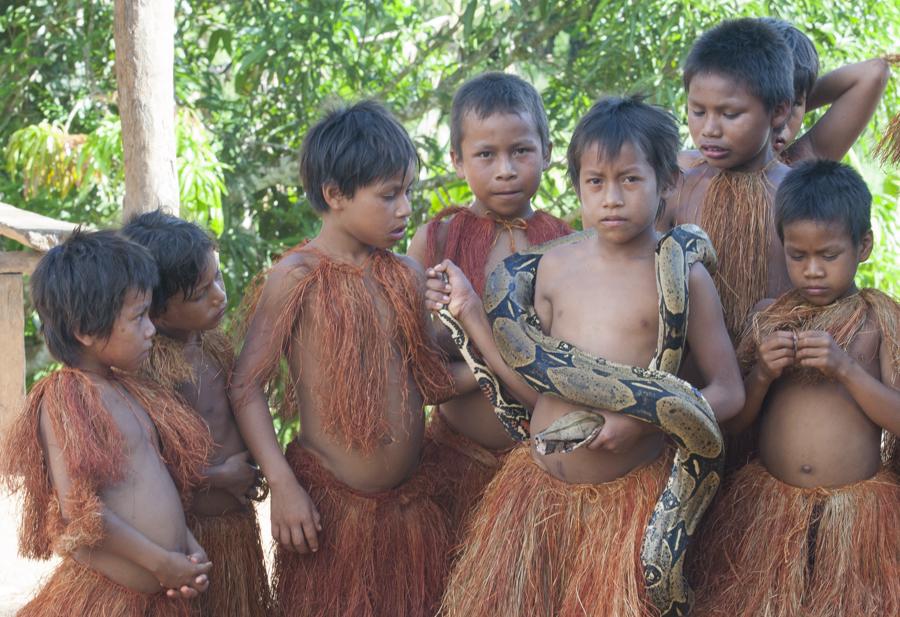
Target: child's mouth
[{"x": 713, "y": 152}]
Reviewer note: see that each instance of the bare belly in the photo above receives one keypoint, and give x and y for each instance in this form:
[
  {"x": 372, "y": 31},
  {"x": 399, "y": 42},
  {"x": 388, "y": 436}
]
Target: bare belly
[
  {"x": 584, "y": 466},
  {"x": 148, "y": 501},
  {"x": 815, "y": 435},
  {"x": 387, "y": 467},
  {"x": 472, "y": 416}
]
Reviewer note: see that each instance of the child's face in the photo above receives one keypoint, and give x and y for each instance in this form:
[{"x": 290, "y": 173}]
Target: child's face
[
  {"x": 378, "y": 213},
  {"x": 786, "y": 136},
  {"x": 822, "y": 259},
  {"x": 619, "y": 195},
  {"x": 729, "y": 125},
  {"x": 502, "y": 160},
  {"x": 129, "y": 342},
  {"x": 203, "y": 310}
]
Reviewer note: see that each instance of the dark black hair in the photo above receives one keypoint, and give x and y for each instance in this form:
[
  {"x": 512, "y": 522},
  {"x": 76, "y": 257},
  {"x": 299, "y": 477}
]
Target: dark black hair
[
  {"x": 80, "y": 287},
  {"x": 353, "y": 147},
  {"x": 614, "y": 121},
  {"x": 497, "y": 93},
  {"x": 181, "y": 250},
  {"x": 750, "y": 52},
  {"x": 827, "y": 192},
  {"x": 806, "y": 58}
]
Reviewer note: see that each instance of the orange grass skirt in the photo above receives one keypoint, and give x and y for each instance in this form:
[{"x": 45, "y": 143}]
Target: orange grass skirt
[
  {"x": 539, "y": 547},
  {"x": 238, "y": 584},
  {"x": 463, "y": 469},
  {"x": 380, "y": 554},
  {"x": 754, "y": 557},
  {"x": 74, "y": 590}
]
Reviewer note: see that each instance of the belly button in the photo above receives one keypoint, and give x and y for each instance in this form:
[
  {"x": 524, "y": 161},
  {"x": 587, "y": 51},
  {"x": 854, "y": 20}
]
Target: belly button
[{"x": 805, "y": 468}]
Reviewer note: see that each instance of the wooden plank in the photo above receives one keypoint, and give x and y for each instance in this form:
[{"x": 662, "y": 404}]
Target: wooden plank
[
  {"x": 12, "y": 346},
  {"x": 18, "y": 262},
  {"x": 31, "y": 229}
]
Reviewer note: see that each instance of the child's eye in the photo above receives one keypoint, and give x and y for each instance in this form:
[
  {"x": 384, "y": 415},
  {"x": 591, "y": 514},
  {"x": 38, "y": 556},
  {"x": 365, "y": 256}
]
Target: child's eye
[
  {"x": 795, "y": 257},
  {"x": 830, "y": 256},
  {"x": 522, "y": 150},
  {"x": 632, "y": 179},
  {"x": 698, "y": 113},
  {"x": 731, "y": 115},
  {"x": 483, "y": 155}
]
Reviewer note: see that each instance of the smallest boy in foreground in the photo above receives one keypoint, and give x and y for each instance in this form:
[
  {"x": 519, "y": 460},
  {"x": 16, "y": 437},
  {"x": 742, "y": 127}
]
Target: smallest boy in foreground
[
  {"x": 823, "y": 365},
  {"x": 94, "y": 447},
  {"x": 192, "y": 359}
]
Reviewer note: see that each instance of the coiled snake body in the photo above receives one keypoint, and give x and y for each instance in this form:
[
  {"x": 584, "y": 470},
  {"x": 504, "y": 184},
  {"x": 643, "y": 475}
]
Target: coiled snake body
[{"x": 652, "y": 394}]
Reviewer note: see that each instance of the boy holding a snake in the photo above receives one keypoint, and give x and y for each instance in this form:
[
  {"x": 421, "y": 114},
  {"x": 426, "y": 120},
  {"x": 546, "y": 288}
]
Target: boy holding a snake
[
  {"x": 561, "y": 534},
  {"x": 500, "y": 145},
  {"x": 822, "y": 366},
  {"x": 339, "y": 334}
]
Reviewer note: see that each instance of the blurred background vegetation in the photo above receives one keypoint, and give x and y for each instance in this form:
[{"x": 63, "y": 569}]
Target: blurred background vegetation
[{"x": 252, "y": 75}]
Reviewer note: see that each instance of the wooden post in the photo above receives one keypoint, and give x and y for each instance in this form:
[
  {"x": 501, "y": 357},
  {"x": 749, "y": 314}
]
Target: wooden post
[
  {"x": 145, "y": 53},
  {"x": 12, "y": 346}
]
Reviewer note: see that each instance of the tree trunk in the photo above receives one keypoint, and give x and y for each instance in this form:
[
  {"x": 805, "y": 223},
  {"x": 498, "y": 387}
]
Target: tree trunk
[{"x": 145, "y": 51}]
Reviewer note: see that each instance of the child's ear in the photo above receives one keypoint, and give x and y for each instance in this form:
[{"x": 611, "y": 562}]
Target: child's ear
[
  {"x": 333, "y": 196},
  {"x": 865, "y": 246},
  {"x": 456, "y": 159},
  {"x": 547, "y": 155},
  {"x": 86, "y": 340},
  {"x": 780, "y": 115}
]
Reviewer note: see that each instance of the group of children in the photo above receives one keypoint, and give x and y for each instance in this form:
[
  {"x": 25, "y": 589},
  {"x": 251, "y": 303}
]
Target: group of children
[{"x": 139, "y": 460}]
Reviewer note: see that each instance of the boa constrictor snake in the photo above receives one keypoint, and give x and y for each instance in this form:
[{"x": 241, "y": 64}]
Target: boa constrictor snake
[{"x": 654, "y": 395}]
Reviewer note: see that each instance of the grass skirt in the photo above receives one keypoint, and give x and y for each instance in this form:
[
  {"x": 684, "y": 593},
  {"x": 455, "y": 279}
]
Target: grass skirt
[
  {"x": 239, "y": 586},
  {"x": 775, "y": 550},
  {"x": 74, "y": 590},
  {"x": 463, "y": 468},
  {"x": 380, "y": 554},
  {"x": 540, "y": 547}
]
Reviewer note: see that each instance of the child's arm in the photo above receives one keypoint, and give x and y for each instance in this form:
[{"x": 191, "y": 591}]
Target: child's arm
[
  {"x": 235, "y": 475},
  {"x": 418, "y": 246},
  {"x": 711, "y": 347},
  {"x": 879, "y": 400},
  {"x": 853, "y": 91},
  {"x": 173, "y": 570},
  {"x": 774, "y": 354},
  {"x": 465, "y": 305},
  {"x": 295, "y": 520}
]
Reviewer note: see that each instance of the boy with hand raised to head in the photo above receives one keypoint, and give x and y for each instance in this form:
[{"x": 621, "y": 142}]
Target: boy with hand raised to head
[
  {"x": 105, "y": 460},
  {"x": 851, "y": 93},
  {"x": 192, "y": 359},
  {"x": 822, "y": 367},
  {"x": 358, "y": 531},
  {"x": 738, "y": 78},
  {"x": 561, "y": 534},
  {"x": 500, "y": 145}
]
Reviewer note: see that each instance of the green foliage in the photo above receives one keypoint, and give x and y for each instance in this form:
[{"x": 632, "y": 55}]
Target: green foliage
[{"x": 251, "y": 77}]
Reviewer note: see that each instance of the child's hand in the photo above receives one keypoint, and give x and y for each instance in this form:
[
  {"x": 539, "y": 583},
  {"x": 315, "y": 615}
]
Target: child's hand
[
  {"x": 816, "y": 349},
  {"x": 295, "y": 521},
  {"x": 239, "y": 475},
  {"x": 620, "y": 434},
  {"x": 776, "y": 352},
  {"x": 184, "y": 575},
  {"x": 456, "y": 293}
]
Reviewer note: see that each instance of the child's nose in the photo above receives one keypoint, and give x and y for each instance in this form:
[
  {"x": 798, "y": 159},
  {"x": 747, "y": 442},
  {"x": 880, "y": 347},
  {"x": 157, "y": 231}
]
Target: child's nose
[
  {"x": 711, "y": 126},
  {"x": 219, "y": 295},
  {"x": 813, "y": 269},
  {"x": 505, "y": 168},
  {"x": 612, "y": 196},
  {"x": 404, "y": 206},
  {"x": 149, "y": 328}
]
